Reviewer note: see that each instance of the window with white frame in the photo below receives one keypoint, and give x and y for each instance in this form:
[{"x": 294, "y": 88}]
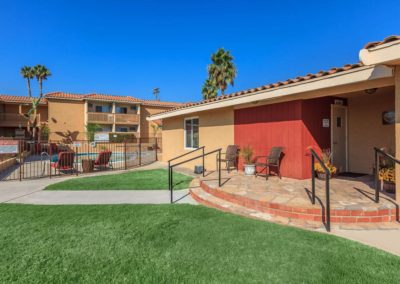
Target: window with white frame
[{"x": 191, "y": 132}]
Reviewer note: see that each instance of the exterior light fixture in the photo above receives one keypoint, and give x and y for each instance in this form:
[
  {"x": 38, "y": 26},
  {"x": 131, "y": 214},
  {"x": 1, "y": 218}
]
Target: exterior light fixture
[{"x": 370, "y": 91}]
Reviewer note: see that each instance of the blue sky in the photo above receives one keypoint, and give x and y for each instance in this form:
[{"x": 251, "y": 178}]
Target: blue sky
[{"x": 130, "y": 47}]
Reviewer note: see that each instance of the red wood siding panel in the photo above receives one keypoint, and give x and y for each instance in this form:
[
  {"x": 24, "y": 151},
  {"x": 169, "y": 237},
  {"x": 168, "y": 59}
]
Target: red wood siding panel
[
  {"x": 314, "y": 134},
  {"x": 267, "y": 126},
  {"x": 294, "y": 125}
]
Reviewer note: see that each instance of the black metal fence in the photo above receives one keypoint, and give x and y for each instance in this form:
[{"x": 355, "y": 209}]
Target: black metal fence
[{"x": 23, "y": 159}]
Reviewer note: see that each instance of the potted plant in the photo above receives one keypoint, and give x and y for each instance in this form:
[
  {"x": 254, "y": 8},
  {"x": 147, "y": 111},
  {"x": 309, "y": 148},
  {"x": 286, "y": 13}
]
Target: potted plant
[
  {"x": 387, "y": 176},
  {"x": 326, "y": 158},
  {"x": 247, "y": 155}
]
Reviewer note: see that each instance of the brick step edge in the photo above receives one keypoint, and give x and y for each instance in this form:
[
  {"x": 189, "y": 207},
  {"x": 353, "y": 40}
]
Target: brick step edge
[
  {"x": 309, "y": 214},
  {"x": 210, "y": 200}
]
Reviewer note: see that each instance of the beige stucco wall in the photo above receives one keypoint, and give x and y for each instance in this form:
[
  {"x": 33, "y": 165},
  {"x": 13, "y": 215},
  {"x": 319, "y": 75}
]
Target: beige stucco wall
[
  {"x": 397, "y": 127},
  {"x": 366, "y": 130},
  {"x": 66, "y": 117},
  {"x": 216, "y": 130},
  {"x": 145, "y": 126}
]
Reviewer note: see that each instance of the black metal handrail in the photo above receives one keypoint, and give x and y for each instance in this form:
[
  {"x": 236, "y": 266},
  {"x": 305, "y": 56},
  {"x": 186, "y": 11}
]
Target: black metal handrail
[
  {"x": 180, "y": 156},
  {"x": 377, "y": 169},
  {"x": 203, "y": 155},
  {"x": 183, "y": 155},
  {"x": 327, "y": 189}
]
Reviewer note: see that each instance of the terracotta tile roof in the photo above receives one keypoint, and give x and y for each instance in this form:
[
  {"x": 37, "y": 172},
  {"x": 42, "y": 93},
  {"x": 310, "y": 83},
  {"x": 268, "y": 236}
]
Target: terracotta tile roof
[
  {"x": 61, "y": 95},
  {"x": 270, "y": 86},
  {"x": 104, "y": 97},
  {"x": 92, "y": 96},
  {"x": 385, "y": 40},
  {"x": 19, "y": 99},
  {"x": 160, "y": 103}
]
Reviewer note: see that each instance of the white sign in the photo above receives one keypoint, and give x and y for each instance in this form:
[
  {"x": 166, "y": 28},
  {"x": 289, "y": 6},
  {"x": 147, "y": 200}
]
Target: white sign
[
  {"x": 339, "y": 102},
  {"x": 77, "y": 144},
  {"x": 8, "y": 147},
  {"x": 325, "y": 122},
  {"x": 101, "y": 137}
]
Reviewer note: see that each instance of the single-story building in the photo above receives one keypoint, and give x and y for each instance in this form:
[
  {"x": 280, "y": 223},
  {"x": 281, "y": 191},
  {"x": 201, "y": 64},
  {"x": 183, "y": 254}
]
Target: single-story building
[{"x": 349, "y": 110}]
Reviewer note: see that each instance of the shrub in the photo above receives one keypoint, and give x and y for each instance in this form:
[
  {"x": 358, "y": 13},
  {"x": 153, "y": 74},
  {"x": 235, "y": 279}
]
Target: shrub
[
  {"x": 247, "y": 154},
  {"x": 121, "y": 137}
]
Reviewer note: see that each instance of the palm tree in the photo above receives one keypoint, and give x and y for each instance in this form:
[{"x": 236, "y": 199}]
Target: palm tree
[
  {"x": 28, "y": 73},
  {"x": 209, "y": 89},
  {"x": 41, "y": 73},
  {"x": 222, "y": 71}
]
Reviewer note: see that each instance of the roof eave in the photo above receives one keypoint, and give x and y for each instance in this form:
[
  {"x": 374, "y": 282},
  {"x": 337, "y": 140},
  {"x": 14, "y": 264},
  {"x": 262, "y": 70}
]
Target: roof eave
[
  {"x": 365, "y": 73},
  {"x": 388, "y": 53}
]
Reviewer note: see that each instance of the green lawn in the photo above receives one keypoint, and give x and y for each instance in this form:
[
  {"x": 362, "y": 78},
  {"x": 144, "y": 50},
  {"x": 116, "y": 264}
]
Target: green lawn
[
  {"x": 148, "y": 180},
  {"x": 174, "y": 243}
]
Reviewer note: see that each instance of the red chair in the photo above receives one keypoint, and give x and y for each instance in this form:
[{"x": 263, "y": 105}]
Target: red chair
[
  {"x": 65, "y": 161},
  {"x": 103, "y": 159}
]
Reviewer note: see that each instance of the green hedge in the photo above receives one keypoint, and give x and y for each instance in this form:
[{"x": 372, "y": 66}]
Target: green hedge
[{"x": 121, "y": 137}]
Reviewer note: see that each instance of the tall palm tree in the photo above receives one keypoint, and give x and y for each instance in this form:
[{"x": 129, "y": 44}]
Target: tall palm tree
[
  {"x": 28, "y": 73},
  {"x": 41, "y": 73},
  {"x": 209, "y": 89},
  {"x": 222, "y": 70}
]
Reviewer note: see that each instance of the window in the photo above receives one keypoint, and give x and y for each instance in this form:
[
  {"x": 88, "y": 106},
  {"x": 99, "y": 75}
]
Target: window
[
  {"x": 104, "y": 128},
  {"x": 122, "y": 129},
  {"x": 122, "y": 110},
  {"x": 133, "y": 128},
  {"x": 338, "y": 122},
  {"x": 100, "y": 108},
  {"x": 191, "y": 133}
]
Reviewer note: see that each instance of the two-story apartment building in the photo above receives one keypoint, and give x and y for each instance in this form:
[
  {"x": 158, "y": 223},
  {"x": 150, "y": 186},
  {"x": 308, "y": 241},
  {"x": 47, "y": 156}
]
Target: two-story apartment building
[{"x": 66, "y": 115}]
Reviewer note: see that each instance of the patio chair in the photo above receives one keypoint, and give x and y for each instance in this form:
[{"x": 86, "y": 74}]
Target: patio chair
[
  {"x": 230, "y": 158},
  {"x": 273, "y": 160},
  {"x": 103, "y": 160},
  {"x": 64, "y": 162}
]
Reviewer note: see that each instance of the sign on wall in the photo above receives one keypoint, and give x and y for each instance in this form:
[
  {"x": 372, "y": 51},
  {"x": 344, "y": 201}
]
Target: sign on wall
[
  {"x": 101, "y": 137},
  {"x": 325, "y": 122},
  {"x": 8, "y": 147},
  {"x": 388, "y": 117}
]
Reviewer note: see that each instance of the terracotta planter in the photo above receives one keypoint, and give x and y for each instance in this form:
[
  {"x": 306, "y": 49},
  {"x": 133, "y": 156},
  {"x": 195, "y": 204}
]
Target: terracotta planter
[
  {"x": 87, "y": 165},
  {"x": 388, "y": 186}
]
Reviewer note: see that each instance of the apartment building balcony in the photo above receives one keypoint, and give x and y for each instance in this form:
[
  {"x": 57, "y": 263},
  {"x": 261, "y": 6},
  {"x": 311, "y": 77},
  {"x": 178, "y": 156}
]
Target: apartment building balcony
[
  {"x": 112, "y": 118},
  {"x": 15, "y": 119}
]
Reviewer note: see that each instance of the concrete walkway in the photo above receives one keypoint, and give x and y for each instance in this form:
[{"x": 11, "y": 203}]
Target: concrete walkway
[
  {"x": 90, "y": 197},
  {"x": 387, "y": 240},
  {"x": 31, "y": 192}
]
